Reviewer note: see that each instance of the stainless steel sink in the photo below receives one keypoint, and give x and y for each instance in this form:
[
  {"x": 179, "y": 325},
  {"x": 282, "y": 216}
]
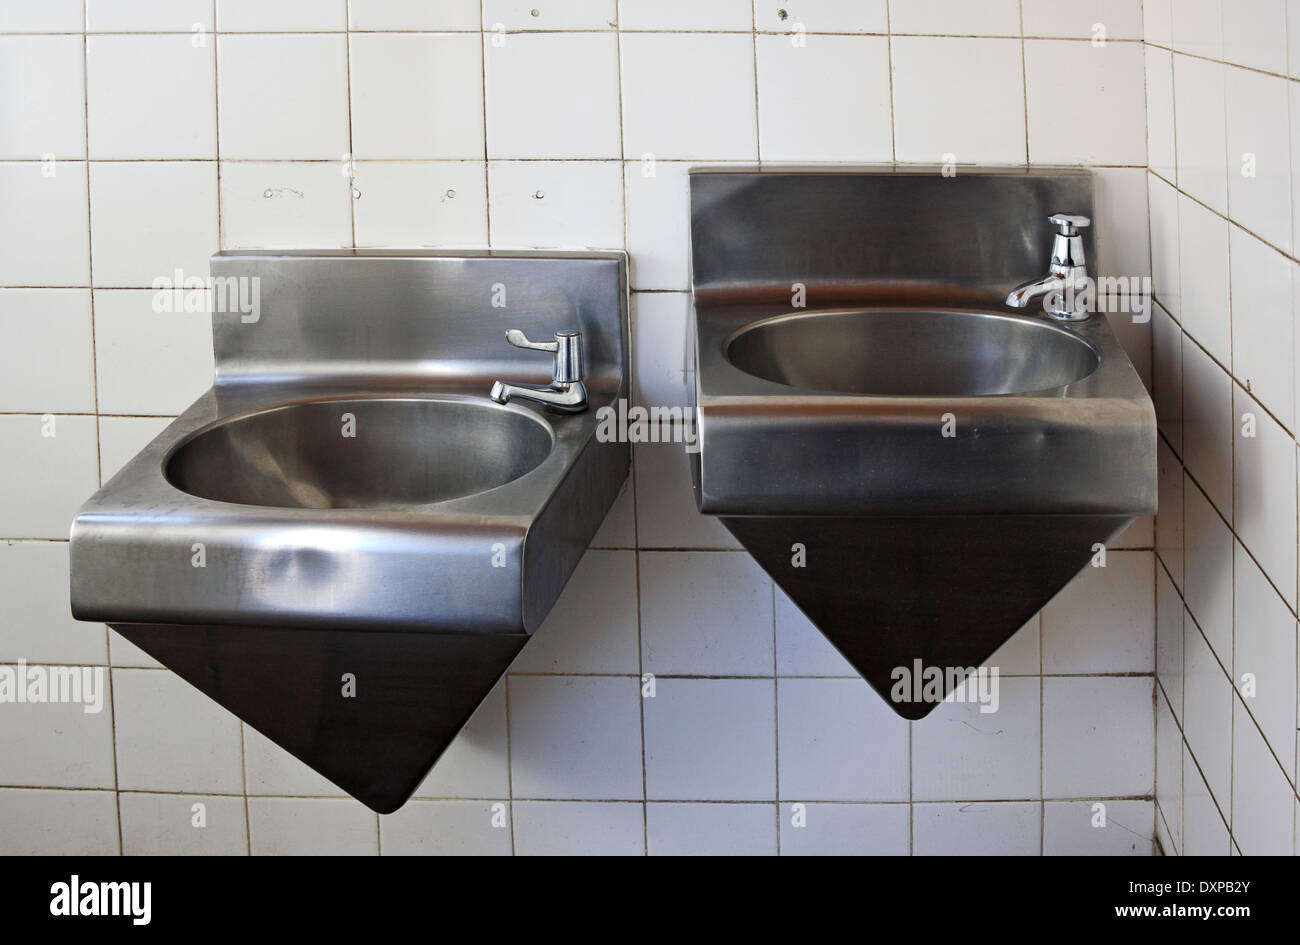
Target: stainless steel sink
[
  {"x": 919, "y": 466},
  {"x": 347, "y": 502},
  {"x": 912, "y": 352},
  {"x": 402, "y": 452}
]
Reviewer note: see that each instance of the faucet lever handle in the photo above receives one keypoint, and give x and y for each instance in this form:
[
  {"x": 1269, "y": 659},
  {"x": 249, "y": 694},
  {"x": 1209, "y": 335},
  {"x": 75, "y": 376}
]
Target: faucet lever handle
[
  {"x": 570, "y": 362},
  {"x": 520, "y": 340},
  {"x": 1070, "y": 223}
]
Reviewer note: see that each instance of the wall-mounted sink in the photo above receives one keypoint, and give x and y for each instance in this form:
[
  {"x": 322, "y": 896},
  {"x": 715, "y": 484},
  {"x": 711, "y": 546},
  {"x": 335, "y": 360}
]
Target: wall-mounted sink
[
  {"x": 919, "y": 466},
  {"x": 347, "y": 503}
]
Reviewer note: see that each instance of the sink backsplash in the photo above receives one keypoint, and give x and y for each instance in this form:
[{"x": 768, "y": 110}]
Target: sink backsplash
[{"x": 649, "y": 713}]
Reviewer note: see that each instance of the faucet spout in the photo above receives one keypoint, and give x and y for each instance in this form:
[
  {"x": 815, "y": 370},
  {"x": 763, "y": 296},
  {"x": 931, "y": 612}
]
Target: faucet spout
[{"x": 563, "y": 398}]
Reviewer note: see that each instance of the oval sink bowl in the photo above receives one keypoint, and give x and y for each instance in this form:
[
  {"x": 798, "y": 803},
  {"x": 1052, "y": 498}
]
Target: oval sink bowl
[
  {"x": 911, "y": 353},
  {"x": 401, "y": 452}
]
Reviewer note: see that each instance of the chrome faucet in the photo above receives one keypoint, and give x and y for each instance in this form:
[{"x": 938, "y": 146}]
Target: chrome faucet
[
  {"x": 1066, "y": 285},
  {"x": 567, "y": 394}
]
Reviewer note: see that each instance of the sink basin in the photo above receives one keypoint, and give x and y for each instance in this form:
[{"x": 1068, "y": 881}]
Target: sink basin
[
  {"x": 918, "y": 466},
  {"x": 401, "y": 452},
  {"x": 911, "y": 352},
  {"x": 344, "y": 541}
]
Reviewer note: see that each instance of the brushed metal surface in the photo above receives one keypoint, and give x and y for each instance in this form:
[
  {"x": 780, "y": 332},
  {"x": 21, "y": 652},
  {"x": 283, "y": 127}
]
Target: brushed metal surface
[
  {"x": 346, "y": 503},
  {"x": 918, "y": 465}
]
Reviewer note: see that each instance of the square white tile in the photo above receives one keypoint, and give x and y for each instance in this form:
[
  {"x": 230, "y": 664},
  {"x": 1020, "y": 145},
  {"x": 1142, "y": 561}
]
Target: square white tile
[
  {"x": 46, "y": 362},
  {"x": 556, "y": 204},
  {"x": 962, "y": 753},
  {"x": 839, "y": 741},
  {"x": 552, "y": 95},
  {"x": 1098, "y": 737},
  {"x": 49, "y": 467},
  {"x": 285, "y": 206},
  {"x": 35, "y": 622},
  {"x": 798, "y": 122},
  {"x": 705, "y": 613},
  {"x": 149, "y": 362},
  {"x": 283, "y": 97},
  {"x": 664, "y": 113},
  {"x": 958, "y": 100},
  {"x": 711, "y": 739},
  {"x": 416, "y": 96},
  {"x": 171, "y": 737},
  {"x": 151, "y": 96},
  {"x": 149, "y": 219},
  {"x": 421, "y": 204},
  {"x": 49, "y": 116},
  {"x": 51, "y": 248},
  {"x": 1104, "y": 620},
  {"x": 667, "y": 514},
  {"x": 1106, "y": 122},
  {"x": 575, "y": 738},
  {"x": 60, "y": 744}
]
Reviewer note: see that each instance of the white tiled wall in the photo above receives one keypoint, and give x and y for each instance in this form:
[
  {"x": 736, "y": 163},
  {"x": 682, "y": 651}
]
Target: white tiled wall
[
  {"x": 168, "y": 141},
  {"x": 1220, "y": 99}
]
